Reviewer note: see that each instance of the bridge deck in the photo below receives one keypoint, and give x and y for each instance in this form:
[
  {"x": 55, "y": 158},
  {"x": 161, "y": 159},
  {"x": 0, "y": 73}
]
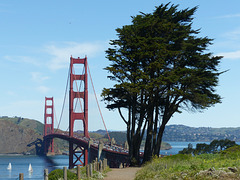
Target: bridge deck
[{"x": 115, "y": 154}]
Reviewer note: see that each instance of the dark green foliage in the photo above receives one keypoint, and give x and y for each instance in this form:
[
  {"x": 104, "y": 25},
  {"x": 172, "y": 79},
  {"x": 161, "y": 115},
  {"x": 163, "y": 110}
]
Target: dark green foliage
[
  {"x": 232, "y": 150},
  {"x": 97, "y": 136},
  {"x": 214, "y": 147},
  {"x": 120, "y": 137},
  {"x": 58, "y": 174},
  {"x": 160, "y": 67}
]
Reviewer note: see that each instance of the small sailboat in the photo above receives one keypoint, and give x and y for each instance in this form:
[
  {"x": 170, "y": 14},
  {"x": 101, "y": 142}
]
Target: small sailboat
[
  {"x": 9, "y": 166},
  {"x": 30, "y": 169}
]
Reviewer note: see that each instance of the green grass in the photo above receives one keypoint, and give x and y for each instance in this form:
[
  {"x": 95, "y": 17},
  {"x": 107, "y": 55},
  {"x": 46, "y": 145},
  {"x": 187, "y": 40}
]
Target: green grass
[
  {"x": 72, "y": 174},
  {"x": 26, "y": 123},
  {"x": 58, "y": 174},
  {"x": 205, "y": 166}
]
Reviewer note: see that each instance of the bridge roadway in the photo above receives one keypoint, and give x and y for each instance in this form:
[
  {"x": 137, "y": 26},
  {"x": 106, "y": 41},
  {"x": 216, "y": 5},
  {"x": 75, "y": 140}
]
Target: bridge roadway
[{"x": 113, "y": 153}]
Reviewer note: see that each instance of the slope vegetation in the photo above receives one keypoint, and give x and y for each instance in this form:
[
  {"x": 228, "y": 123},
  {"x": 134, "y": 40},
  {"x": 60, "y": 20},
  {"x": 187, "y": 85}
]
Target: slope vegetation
[
  {"x": 224, "y": 165},
  {"x": 16, "y": 139}
]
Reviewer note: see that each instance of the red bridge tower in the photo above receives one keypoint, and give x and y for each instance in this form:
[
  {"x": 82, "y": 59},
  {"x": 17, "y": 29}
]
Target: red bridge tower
[
  {"x": 49, "y": 123},
  {"x": 76, "y": 112}
]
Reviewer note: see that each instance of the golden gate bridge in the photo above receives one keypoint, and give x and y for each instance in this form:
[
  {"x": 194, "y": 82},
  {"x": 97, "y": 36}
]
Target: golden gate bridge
[{"x": 82, "y": 149}]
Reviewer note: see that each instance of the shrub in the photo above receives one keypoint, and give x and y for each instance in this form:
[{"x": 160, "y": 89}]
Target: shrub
[
  {"x": 214, "y": 147},
  {"x": 58, "y": 174}
]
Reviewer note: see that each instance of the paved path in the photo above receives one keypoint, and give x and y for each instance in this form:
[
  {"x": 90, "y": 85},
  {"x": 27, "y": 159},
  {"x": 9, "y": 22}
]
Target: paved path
[{"x": 122, "y": 174}]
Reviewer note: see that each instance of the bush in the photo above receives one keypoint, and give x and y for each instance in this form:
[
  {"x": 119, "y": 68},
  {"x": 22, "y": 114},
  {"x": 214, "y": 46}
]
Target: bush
[
  {"x": 214, "y": 147},
  {"x": 232, "y": 150},
  {"x": 58, "y": 173}
]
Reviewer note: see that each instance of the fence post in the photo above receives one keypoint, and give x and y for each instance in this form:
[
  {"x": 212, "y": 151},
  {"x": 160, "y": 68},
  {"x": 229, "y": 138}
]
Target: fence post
[
  {"x": 79, "y": 172},
  {"x": 104, "y": 164},
  {"x": 21, "y": 176},
  {"x": 45, "y": 174},
  {"x": 120, "y": 166},
  {"x": 90, "y": 170},
  {"x": 96, "y": 164},
  {"x": 93, "y": 165},
  {"x": 65, "y": 173},
  {"x": 100, "y": 166}
]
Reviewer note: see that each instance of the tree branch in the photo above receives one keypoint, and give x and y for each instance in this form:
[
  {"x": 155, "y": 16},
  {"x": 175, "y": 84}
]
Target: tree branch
[{"x": 119, "y": 110}]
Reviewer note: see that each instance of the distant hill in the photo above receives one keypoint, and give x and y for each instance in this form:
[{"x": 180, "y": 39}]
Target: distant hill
[
  {"x": 24, "y": 136},
  {"x": 121, "y": 137},
  {"x": 208, "y": 134},
  {"x": 15, "y": 136},
  {"x": 186, "y": 133},
  {"x": 25, "y": 123}
]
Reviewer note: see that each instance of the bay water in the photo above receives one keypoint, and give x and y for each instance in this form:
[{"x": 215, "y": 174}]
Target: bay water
[
  {"x": 20, "y": 163},
  {"x": 178, "y": 146}
]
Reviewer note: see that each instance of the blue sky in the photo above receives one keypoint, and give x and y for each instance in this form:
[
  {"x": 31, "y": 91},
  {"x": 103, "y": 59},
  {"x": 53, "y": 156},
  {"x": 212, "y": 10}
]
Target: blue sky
[{"x": 38, "y": 38}]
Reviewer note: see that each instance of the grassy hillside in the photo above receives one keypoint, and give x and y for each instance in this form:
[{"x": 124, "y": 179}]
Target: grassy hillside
[
  {"x": 24, "y": 136},
  {"x": 17, "y": 139},
  {"x": 26, "y": 123},
  {"x": 225, "y": 165}
]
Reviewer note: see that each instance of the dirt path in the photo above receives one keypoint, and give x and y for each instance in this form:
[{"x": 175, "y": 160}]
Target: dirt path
[{"x": 122, "y": 174}]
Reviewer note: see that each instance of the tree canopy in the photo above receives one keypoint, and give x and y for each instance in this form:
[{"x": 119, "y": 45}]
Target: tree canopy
[
  {"x": 214, "y": 147},
  {"x": 161, "y": 66}
]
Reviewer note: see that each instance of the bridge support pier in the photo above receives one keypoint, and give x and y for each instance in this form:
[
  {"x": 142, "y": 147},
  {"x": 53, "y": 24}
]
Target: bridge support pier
[
  {"x": 80, "y": 153},
  {"x": 49, "y": 124},
  {"x": 76, "y": 112}
]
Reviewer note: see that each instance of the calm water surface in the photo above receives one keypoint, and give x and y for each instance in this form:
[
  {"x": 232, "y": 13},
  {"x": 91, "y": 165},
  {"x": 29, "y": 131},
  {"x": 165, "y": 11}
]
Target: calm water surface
[
  {"x": 20, "y": 164},
  {"x": 178, "y": 146}
]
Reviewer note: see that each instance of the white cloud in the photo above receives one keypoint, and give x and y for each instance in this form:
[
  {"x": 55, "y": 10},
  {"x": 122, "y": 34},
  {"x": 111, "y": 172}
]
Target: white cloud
[
  {"x": 43, "y": 89},
  {"x": 233, "y": 35},
  {"x": 11, "y": 93},
  {"x": 231, "y": 55},
  {"x": 22, "y": 59},
  {"x": 38, "y": 77},
  {"x": 61, "y": 53},
  {"x": 229, "y": 16}
]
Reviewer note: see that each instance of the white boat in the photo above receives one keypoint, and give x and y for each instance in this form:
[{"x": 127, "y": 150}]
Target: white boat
[
  {"x": 30, "y": 169},
  {"x": 9, "y": 166}
]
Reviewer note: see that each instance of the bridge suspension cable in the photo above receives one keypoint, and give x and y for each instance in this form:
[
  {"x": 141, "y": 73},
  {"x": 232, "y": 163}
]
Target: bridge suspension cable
[
  {"x": 98, "y": 103},
  {"x": 55, "y": 118},
  {"x": 65, "y": 95}
]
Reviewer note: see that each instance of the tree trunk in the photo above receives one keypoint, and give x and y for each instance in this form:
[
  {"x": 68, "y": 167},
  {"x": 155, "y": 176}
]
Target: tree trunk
[
  {"x": 129, "y": 137},
  {"x": 159, "y": 140},
  {"x": 148, "y": 143},
  {"x": 155, "y": 130}
]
